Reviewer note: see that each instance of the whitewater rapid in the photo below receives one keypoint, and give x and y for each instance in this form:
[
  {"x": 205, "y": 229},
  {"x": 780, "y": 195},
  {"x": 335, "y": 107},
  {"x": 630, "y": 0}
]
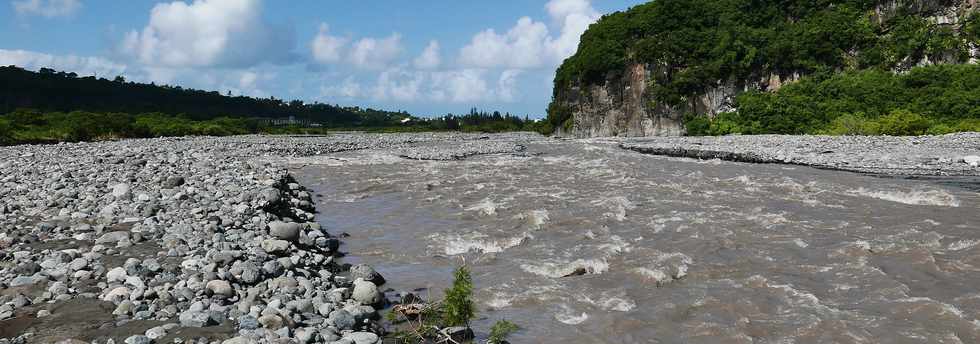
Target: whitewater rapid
[{"x": 585, "y": 242}]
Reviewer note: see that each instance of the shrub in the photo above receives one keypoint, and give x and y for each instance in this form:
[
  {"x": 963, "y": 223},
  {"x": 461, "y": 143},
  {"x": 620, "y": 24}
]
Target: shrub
[
  {"x": 852, "y": 124},
  {"x": 6, "y": 132},
  {"x": 500, "y": 330},
  {"x": 458, "y": 308},
  {"x": 697, "y": 125},
  {"x": 902, "y": 122}
]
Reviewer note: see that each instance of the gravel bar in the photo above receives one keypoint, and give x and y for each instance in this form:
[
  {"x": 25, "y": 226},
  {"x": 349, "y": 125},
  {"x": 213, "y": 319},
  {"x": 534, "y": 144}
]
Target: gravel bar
[
  {"x": 945, "y": 155},
  {"x": 201, "y": 240}
]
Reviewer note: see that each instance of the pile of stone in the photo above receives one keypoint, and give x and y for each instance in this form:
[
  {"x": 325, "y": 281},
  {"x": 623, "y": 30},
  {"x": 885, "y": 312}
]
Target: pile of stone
[{"x": 172, "y": 235}]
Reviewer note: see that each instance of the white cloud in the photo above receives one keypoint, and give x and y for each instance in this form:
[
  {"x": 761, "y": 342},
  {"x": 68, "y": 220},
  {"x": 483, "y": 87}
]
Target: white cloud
[
  {"x": 247, "y": 82},
  {"x": 429, "y": 59},
  {"x": 373, "y": 53},
  {"x": 507, "y": 85},
  {"x": 327, "y": 48},
  {"x": 207, "y": 33},
  {"x": 82, "y": 65},
  {"x": 574, "y": 17},
  {"x": 449, "y": 86},
  {"x": 399, "y": 85},
  {"x": 460, "y": 86},
  {"x": 47, "y": 8},
  {"x": 529, "y": 44},
  {"x": 348, "y": 89}
]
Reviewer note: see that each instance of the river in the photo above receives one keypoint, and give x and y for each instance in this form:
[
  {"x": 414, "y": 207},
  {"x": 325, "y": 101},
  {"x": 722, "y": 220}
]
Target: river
[{"x": 583, "y": 242}]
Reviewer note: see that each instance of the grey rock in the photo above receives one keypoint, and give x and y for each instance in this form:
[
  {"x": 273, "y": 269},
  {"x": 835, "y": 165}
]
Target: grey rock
[
  {"x": 366, "y": 293},
  {"x": 271, "y": 321},
  {"x": 275, "y": 246},
  {"x": 220, "y": 288},
  {"x": 362, "y": 337},
  {"x": 284, "y": 231},
  {"x": 156, "y": 333},
  {"x": 173, "y": 182},
  {"x": 122, "y": 191},
  {"x": 195, "y": 319},
  {"x": 367, "y": 273},
  {"x": 138, "y": 340},
  {"x": 112, "y": 237},
  {"x": 248, "y": 322},
  {"x": 21, "y": 281},
  {"x": 341, "y": 319}
]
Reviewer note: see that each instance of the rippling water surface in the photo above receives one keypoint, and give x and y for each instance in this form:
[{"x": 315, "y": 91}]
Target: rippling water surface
[{"x": 665, "y": 250}]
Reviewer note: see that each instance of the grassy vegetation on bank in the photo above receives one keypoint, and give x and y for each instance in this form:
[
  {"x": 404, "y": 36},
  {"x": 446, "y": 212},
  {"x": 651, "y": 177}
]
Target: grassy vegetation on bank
[
  {"x": 32, "y": 126},
  {"x": 936, "y": 99}
]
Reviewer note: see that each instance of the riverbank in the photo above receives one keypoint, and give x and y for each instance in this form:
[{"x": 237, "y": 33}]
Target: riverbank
[
  {"x": 198, "y": 239},
  {"x": 943, "y": 155}
]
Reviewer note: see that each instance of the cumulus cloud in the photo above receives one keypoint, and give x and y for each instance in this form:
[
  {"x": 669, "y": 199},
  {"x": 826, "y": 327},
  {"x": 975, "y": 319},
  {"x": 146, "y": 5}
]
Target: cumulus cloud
[
  {"x": 365, "y": 53},
  {"x": 327, "y": 48},
  {"x": 47, "y": 8},
  {"x": 430, "y": 58},
  {"x": 348, "y": 89},
  {"x": 82, "y": 65},
  {"x": 530, "y": 44},
  {"x": 207, "y": 33},
  {"x": 467, "y": 85},
  {"x": 373, "y": 53}
]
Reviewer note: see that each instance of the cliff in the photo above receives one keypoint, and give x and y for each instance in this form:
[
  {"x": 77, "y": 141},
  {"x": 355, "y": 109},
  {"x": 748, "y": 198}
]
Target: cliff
[{"x": 642, "y": 71}]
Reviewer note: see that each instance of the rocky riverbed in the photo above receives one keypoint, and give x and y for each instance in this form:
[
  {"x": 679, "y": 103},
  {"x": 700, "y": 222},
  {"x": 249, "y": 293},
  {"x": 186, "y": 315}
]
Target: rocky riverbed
[
  {"x": 212, "y": 240},
  {"x": 953, "y": 154},
  {"x": 186, "y": 240}
]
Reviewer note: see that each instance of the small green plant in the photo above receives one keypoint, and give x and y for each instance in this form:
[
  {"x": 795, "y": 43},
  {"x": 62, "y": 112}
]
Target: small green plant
[
  {"x": 500, "y": 330},
  {"x": 458, "y": 307}
]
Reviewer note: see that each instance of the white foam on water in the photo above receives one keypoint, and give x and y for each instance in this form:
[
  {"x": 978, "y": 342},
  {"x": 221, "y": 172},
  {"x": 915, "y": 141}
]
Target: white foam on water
[
  {"x": 799, "y": 242},
  {"x": 535, "y": 218},
  {"x": 615, "y": 303},
  {"x": 616, "y": 246},
  {"x": 570, "y": 317},
  {"x": 912, "y": 197},
  {"x": 963, "y": 244},
  {"x": 666, "y": 267},
  {"x": 486, "y": 207},
  {"x": 618, "y": 206},
  {"x": 456, "y": 244},
  {"x": 558, "y": 269}
]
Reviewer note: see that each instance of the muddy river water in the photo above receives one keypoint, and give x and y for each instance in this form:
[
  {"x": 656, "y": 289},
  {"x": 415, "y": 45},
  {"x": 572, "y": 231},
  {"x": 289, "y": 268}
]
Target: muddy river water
[{"x": 583, "y": 242}]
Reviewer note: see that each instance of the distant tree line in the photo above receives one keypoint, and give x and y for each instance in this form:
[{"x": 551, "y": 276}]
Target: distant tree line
[
  {"x": 49, "y": 106},
  {"x": 50, "y": 91}
]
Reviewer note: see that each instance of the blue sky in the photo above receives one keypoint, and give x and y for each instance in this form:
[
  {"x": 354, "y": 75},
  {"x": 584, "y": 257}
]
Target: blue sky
[{"x": 427, "y": 57}]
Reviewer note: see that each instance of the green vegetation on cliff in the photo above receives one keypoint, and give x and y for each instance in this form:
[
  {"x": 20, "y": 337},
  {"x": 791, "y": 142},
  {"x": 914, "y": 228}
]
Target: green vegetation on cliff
[
  {"x": 927, "y": 100},
  {"x": 692, "y": 45}
]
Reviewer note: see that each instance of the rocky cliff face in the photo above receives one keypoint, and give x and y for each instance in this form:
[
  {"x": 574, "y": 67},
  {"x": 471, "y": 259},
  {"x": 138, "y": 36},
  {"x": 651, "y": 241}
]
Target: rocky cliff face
[{"x": 623, "y": 106}]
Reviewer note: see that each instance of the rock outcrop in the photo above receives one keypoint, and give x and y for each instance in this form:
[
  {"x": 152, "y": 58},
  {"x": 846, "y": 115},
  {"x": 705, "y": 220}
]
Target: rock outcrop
[{"x": 623, "y": 104}]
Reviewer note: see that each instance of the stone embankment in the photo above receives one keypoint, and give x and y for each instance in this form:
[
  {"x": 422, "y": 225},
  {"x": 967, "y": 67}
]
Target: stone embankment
[
  {"x": 205, "y": 240},
  {"x": 946, "y": 155}
]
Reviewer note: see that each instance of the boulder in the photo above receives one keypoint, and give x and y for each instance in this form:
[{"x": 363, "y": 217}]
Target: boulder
[
  {"x": 276, "y": 247},
  {"x": 195, "y": 319},
  {"x": 366, "y": 293},
  {"x": 367, "y": 273},
  {"x": 362, "y": 337},
  {"x": 220, "y": 288},
  {"x": 284, "y": 231}
]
